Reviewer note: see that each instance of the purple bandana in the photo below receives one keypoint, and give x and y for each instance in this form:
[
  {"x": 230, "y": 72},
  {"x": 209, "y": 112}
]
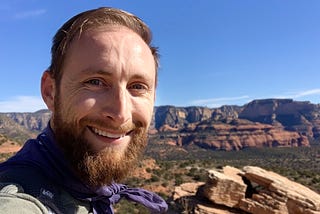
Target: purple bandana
[{"x": 42, "y": 153}]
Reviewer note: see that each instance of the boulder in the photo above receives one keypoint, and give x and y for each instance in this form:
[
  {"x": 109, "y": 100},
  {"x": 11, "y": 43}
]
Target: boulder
[
  {"x": 250, "y": 190},
  {"x": 225, "y": 189},
  {"x": 186, "y": 189},
  {"x": 274, "y": 193}
]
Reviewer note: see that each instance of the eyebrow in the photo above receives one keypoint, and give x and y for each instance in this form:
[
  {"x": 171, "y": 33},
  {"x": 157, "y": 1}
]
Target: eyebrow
[{"x": 90, "y": 71}]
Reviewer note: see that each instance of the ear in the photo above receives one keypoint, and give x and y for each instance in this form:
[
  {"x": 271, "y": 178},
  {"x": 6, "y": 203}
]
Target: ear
[{"x": 48, "y": 90}]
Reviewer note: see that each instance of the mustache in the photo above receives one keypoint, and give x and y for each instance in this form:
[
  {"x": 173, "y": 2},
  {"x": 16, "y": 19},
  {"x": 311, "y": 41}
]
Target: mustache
[{"x": 126, "y": 127}]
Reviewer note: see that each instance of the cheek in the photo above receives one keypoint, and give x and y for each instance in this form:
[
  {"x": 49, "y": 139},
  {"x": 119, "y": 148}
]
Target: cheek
[
  {"x": 88, "y": 103},
  {"x": 85, "y": 105},
  {"x": 78, "y": 106}
]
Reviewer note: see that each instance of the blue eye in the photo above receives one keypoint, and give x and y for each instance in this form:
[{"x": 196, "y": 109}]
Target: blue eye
[
  {"x": 138, "y": 87},
  {"x": 96, "y": 82}
]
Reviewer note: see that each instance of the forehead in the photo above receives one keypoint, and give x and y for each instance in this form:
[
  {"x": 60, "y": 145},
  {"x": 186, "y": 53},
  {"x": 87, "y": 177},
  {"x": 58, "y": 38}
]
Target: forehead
[
  {"x": 107, "y": 45},
  {"x": 110, "y": 37},
  {"x": 108, "y": 32}
]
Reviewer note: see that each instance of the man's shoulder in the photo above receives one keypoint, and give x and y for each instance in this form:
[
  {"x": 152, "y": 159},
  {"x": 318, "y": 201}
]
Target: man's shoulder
[
  {"x": 30, "y": 187},
  {"x": 20, "y": 189},
  {"x": 14, "y": 200}
]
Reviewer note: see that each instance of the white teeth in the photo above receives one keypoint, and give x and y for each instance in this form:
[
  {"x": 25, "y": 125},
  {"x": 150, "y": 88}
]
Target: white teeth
[{"x": 106, "y": 134}]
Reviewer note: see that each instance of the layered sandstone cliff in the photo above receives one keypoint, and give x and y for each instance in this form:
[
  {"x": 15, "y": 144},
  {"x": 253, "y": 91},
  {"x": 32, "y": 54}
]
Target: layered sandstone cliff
[
  {"x": 303, "y": 117},
  {"x": 234, "y": 135},
  {"x": 260, "y": 123}
]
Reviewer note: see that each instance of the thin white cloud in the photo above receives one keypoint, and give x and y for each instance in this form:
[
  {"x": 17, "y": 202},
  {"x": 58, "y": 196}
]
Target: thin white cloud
[
  {"x": 22, "y": 104},
  {"x": 307, "y": 93},
  {"x": 217, "y": 102},
  {"x": 29, "y": 14}
]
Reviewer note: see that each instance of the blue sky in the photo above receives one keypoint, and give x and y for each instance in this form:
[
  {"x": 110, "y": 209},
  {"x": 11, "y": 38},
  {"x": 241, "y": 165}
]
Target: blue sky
[{"x": 213, "y": 52}]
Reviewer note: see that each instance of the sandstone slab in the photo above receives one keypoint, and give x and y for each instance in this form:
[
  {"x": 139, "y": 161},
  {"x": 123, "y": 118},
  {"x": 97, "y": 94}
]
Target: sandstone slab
[
  {"x": 250, "y": 190},
  {"x": 226, "y": 189}
]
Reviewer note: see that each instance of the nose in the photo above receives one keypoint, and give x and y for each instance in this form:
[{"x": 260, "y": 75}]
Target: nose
[{"x": 118, "y": 108}]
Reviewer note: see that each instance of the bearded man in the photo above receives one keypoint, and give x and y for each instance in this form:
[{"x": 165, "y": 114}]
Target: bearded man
[{"x": 100, "y": 88}]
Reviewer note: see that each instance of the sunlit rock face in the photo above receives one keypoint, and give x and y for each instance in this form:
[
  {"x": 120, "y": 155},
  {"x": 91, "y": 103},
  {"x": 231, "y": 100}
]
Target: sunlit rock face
[
  {"x": 303, "y": 117},
  {"x": 250, "y": 190}
]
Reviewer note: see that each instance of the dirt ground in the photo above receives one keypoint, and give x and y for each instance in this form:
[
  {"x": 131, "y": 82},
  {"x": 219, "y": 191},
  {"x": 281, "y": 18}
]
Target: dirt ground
[{"x": 9, "y": 147}]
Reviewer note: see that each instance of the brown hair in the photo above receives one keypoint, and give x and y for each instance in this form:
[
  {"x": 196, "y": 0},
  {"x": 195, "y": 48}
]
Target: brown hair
[{"x": 91, "y": 19}]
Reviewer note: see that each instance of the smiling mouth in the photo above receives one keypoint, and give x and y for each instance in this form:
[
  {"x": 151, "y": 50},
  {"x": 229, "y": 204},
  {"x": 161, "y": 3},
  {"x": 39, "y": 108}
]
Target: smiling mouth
[{"x": 108, "y": 134}]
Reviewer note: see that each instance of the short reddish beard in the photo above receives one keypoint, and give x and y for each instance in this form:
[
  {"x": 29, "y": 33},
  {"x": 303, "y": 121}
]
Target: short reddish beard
[{"x": 96, "y": 168}]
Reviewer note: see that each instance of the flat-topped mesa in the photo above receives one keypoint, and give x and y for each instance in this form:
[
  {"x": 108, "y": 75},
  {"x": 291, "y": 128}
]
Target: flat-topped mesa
[{"x": 293, "y": 115}]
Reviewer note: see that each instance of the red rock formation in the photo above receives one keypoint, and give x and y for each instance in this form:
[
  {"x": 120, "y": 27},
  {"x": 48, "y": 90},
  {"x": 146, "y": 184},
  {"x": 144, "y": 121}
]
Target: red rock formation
[
  {"x": 223, "y": 189},
  {"x": 302, "y": 117},
  {"x": 243, "y": 134},
  {"x": 251, "y": 190}
]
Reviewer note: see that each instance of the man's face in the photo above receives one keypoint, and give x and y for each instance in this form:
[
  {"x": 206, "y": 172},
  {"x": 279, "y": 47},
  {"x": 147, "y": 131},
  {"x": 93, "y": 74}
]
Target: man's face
[{"x": 103, "y": 106}]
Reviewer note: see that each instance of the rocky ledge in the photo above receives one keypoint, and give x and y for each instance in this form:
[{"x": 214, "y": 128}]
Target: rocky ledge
[{"x": 250, "y": 190}]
